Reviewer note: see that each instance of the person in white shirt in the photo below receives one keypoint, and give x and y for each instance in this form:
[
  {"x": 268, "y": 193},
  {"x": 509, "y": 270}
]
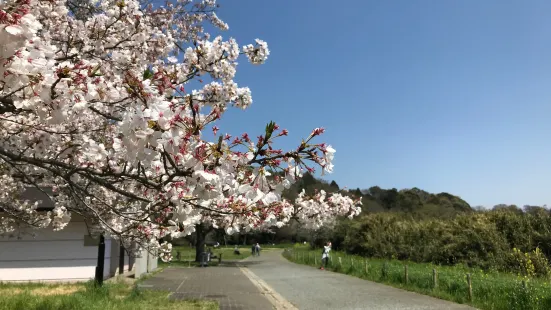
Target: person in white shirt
[{"x": 325, "y": 255}]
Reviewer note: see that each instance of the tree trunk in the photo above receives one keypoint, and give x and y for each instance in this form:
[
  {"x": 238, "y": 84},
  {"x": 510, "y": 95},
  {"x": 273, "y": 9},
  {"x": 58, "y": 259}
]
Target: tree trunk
[
  {"x": 245, "y": 239},
  {"x": 200, "y": 236}
]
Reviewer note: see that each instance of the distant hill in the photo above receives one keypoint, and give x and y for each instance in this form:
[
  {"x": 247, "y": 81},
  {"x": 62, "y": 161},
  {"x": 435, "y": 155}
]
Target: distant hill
[{"x": 415, "y": 201}]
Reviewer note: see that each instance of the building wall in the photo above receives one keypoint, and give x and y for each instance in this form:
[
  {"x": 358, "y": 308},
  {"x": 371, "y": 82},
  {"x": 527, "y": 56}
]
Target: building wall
[
  {"x": 152, "y": 262},
  {"x": 140, "y": 266},
  {"x": 51, "y": 255},
  {"x": 145, "y": 263},
  {"x": 115, "y": 254}
]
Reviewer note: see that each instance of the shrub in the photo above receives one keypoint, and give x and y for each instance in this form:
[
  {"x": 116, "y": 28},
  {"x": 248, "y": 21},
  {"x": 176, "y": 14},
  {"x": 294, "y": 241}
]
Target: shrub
[
  {"x": 521, "y": 264},
  {"x": 479, "y": 239},
  {"x": 540, "y": 263}
]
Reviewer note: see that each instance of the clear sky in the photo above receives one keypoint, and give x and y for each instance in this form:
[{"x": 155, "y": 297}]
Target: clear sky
[{"x": 446, "y": 96}]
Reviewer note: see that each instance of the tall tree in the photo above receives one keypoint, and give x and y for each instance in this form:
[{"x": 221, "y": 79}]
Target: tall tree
[{"x": 96, "y": 103}]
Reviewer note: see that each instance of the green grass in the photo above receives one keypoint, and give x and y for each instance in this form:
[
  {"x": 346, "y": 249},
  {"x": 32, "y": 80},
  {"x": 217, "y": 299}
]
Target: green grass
[
  {"x": 187, "y": 256},
  {"x": 491, "y": 290},
  {"x": 277, "y": 246},
  {"x": 85, "y": 296}
]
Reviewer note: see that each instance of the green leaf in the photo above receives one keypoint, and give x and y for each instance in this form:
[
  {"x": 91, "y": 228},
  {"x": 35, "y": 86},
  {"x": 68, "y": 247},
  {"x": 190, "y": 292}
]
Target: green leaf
[
  {"x": 147, "y": 74},
  {"x": 270, "y": 129}
]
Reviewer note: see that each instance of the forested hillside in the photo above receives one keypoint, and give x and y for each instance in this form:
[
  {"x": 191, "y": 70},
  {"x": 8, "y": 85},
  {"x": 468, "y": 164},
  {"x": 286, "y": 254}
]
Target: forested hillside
[{"x": 417, "y": 202}]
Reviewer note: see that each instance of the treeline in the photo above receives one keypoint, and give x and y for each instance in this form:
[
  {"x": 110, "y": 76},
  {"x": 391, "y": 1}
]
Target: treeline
[
  {"x": 416, "y": 202},
  {"x": 501, "y": 239},
  {"x": 412, "y": 224},
  {"x": 415, "y": 225}
]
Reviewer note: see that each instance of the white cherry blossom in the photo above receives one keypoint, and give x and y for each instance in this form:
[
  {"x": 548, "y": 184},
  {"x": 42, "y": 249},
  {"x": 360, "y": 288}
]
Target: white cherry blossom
[{"x": 96, "y": 103}]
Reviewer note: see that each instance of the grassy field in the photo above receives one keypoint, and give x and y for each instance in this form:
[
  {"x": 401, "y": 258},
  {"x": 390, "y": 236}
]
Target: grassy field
[
  {"x": 85, "y": 296},
  {"x": 187, "y": 256},
  {"x": 490, "y": 290}
]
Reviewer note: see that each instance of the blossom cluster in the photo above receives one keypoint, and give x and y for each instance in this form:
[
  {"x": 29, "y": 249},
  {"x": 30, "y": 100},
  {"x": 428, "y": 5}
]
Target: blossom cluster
[{"x": 94, "y": 103}]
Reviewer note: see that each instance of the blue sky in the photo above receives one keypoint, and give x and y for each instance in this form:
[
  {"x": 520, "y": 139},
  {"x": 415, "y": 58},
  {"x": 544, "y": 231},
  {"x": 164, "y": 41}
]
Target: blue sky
[{"x": 450, "y": 96}]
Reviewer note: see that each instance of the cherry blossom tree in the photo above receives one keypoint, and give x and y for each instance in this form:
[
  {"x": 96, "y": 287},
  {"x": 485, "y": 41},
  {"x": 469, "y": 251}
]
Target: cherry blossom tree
[{"x": 95, "y": 103}]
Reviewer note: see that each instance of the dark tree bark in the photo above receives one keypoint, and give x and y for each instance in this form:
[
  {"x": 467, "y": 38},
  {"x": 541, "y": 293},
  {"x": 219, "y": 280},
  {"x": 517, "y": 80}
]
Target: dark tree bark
[
  {"x": 201, "y": 232},
  {"x": 199, "y": 241}
]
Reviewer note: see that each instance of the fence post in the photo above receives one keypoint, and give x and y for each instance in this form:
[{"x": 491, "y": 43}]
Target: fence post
[
  {"x": 434, "y": 278},
  {"x": 406, "y": 275},
  {"x": 340, "y": 261},
  {"x": 352, "y": 262},
  {"x": 469, "y": 283},
  {"x": 366, "y": 267},
  {"x": 315, "y": 260},
  {"x": 384, "y": 269}
]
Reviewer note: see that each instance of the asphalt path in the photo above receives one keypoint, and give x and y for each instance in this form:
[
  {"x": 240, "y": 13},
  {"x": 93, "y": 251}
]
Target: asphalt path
[{"x": 309, "y": 288}]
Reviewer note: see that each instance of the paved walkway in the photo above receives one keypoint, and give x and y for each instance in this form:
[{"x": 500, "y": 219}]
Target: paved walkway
[
  {"x": 226, "y": 284},
  {"x": 271, "y": 282},
  {"x": 310, "y": 288}
]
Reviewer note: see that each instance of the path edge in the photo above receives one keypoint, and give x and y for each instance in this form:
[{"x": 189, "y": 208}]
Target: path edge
[{"x": 278, "y": 301}]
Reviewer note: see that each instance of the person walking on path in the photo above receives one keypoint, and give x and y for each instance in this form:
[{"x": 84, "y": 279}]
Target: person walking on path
[
  {"x": 325, "y": 255},
  {"x": 257, "y": 248}
]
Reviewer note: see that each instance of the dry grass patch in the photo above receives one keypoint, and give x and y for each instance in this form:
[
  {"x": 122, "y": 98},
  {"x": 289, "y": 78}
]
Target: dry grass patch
[
  {"x": 11, "y": 291},
  {"x": 57, "y": 290},
  {"x": 40, "y": 289},
  {"x": 86, "y": 296}
]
